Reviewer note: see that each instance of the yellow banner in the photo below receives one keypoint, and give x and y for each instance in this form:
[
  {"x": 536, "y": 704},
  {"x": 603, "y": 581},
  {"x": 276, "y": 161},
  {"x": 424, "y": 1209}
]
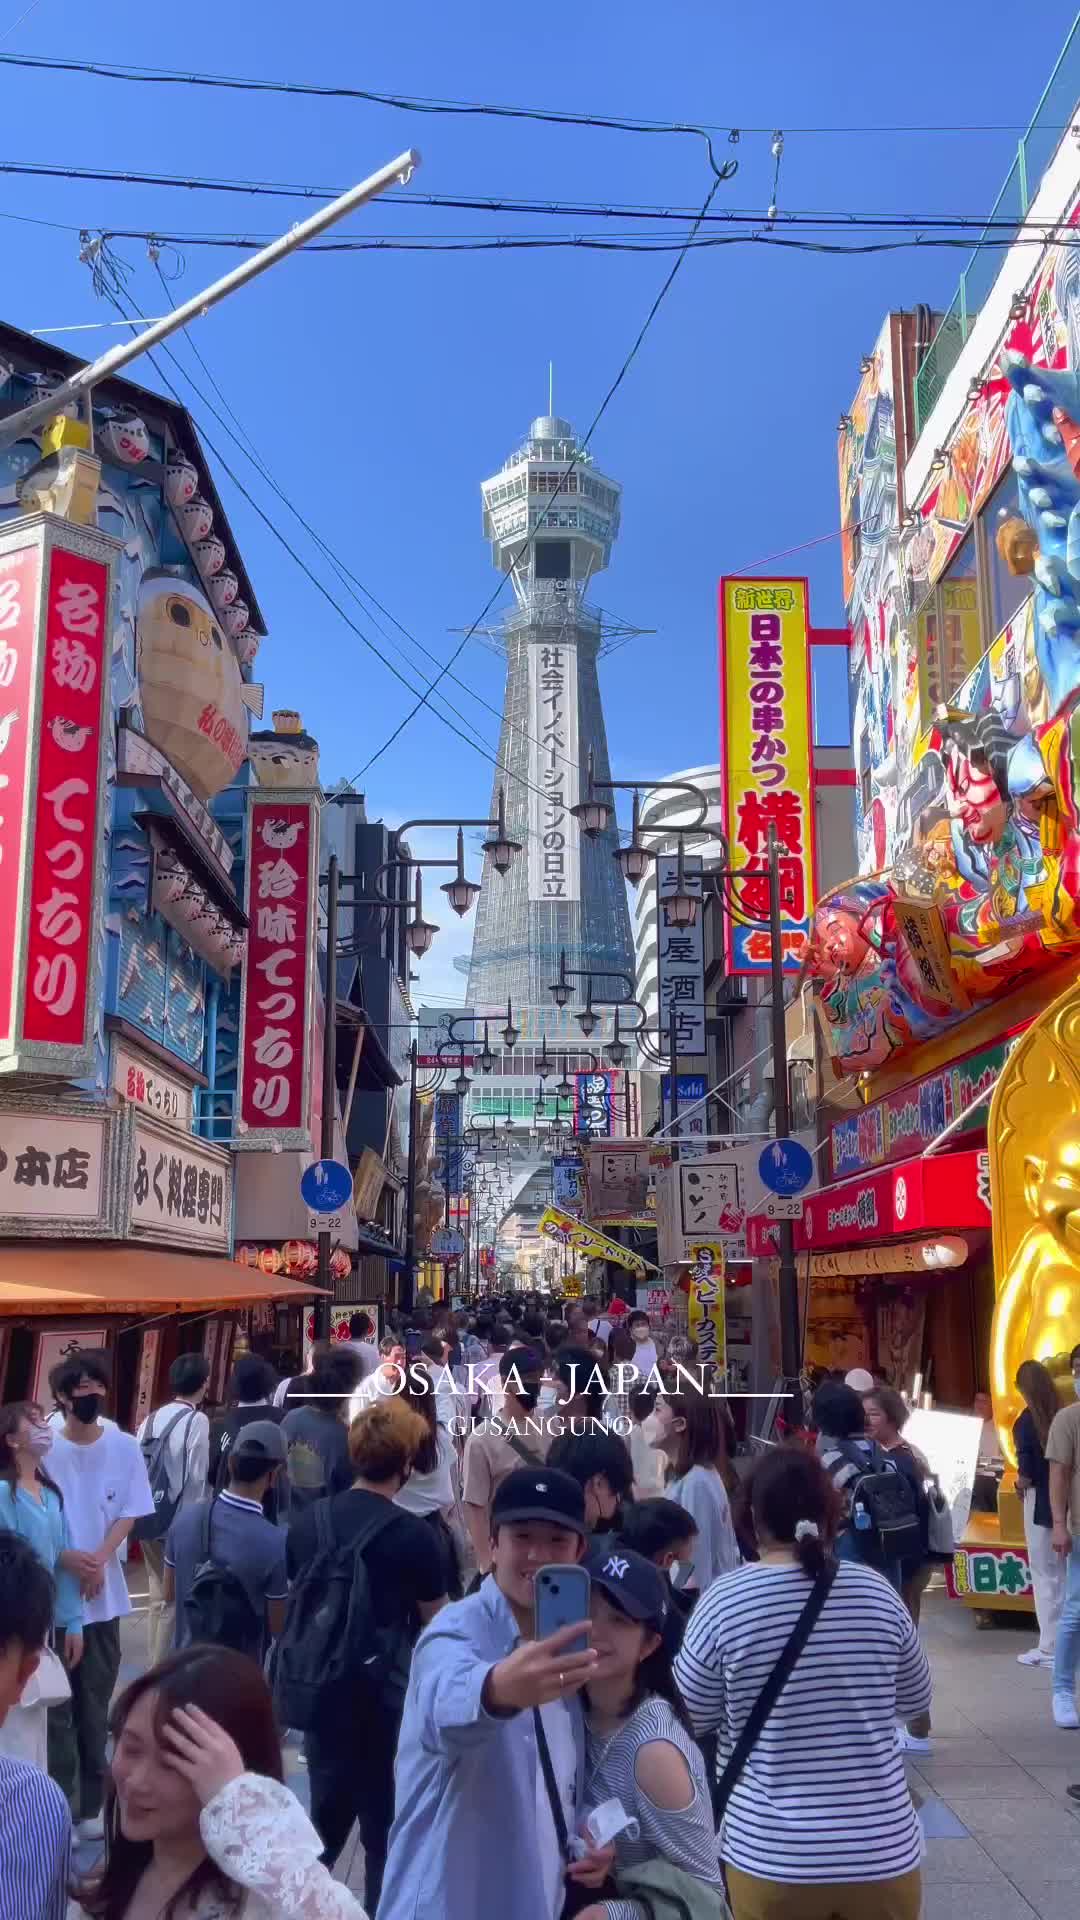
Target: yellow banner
[
  {"x": 765, "y": 748},
  {"x": 595, "y": 1246},
  {"x": 706, "y": 1317}
]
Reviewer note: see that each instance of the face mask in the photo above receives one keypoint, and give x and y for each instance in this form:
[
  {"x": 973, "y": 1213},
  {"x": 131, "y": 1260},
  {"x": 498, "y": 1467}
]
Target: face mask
[
  {"x": 85, "y": 1407},
  {"x": 652, "y": 1430},
  {"x": 1076, "y": 1385},
  {"x": 39, "y": 1442}
]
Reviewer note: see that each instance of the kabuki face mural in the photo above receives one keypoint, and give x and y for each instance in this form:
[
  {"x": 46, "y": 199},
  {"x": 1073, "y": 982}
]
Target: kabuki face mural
[{"x": 966, "y": 692}]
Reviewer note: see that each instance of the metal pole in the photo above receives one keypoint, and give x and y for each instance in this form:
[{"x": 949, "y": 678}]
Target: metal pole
[
  {"x": 673, "y": 1075},
  {"x": 397, "y": 171},
  {"x": 329, "y": 1086},
  {"x": 790, "y": 1331},
  {"x": 408, "y": 1278}
]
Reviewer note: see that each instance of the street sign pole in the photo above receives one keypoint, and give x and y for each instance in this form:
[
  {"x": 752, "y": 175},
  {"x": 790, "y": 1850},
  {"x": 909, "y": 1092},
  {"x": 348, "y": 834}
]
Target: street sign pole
[
  {"x": 790, "y": 1327},
  {"x": 408, "y": 1278},
  {"x": 329, "y": 1087}
]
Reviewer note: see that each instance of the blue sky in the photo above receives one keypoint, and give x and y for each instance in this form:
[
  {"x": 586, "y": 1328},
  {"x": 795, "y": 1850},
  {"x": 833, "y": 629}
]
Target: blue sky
[{"x": 382, "y": 387}]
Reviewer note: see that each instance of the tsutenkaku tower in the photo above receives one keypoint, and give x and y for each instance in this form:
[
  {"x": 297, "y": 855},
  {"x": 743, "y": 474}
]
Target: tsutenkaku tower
[{"x": 565, "y": 890}]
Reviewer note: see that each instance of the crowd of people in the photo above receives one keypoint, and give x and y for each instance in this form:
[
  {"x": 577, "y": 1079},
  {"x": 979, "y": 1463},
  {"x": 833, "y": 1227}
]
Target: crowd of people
[{"x": 348, "y": 1556}]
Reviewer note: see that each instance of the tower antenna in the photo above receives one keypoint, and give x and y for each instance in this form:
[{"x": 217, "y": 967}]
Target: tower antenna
[{"x": 551, "y": 389}]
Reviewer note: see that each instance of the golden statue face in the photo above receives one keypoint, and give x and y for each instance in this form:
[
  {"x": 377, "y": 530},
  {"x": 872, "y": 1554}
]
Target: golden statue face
[{"x": 1052, "y": 1186}]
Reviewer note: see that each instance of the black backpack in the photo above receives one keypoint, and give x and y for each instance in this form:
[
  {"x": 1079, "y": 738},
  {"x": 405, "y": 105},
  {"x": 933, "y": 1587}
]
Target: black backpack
[
  {"x": 330, "y": 1647},
  {"x": 154, "y": 1526},
  {"x": 218, "y": 1606},
  {"x": 884, "y": 1517}
]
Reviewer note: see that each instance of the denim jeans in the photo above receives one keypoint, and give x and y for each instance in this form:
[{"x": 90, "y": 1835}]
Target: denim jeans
[{"x": 1067, "y": 1645}]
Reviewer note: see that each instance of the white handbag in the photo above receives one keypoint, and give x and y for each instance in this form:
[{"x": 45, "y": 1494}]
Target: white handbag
[{"x": 49, "y": 1686}]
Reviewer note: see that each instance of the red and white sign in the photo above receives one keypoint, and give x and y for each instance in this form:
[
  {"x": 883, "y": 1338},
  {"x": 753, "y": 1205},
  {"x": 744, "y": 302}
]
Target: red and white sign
[
  {"x": 279, "y": 972},
  {"x": 54, "y": 683},
  {"x": 938, "y": 1194}
]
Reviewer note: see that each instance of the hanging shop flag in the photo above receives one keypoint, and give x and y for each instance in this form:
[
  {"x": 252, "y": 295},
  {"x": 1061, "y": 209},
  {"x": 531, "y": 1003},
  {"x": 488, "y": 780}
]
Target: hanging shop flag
[
  {"x": 765, "y": 739},
  {"x": 596, "y": 1246},
  {"x": 592, "y": 1102},
  {"x": 277, "y": 1015},
  {"x": 706, "y": 1309},
  {"x": 554, "y": 861},
  {"x": 680, "y": 958},
  {"x": 55, "y": 596}
]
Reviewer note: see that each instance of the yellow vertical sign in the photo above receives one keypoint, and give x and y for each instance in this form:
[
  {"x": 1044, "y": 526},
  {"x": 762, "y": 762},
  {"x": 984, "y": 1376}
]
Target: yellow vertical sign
[
  {"x": 765, "y": 748},
  {"x": 708, "y": 1327}
]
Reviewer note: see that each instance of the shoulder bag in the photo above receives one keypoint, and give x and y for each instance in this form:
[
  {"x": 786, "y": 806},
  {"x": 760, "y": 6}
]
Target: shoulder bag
[{"x": 771, "y": 1691}]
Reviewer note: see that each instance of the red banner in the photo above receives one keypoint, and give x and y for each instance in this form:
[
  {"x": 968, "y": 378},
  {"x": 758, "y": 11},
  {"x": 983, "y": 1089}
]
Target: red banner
[
  {"x": 20, "y": 576},
  {"x": 60, "y": 956},
  {"x": 279, "y": 969},
  {"x": 939, "y": 1193}
]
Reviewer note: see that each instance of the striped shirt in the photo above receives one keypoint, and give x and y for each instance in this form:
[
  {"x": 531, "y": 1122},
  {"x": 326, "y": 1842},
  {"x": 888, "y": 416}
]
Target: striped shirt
[
  {"x": 683, "y": 1836},
  {"x": 35, "y": 1844},
  {"x": 823, "y": 1796}
]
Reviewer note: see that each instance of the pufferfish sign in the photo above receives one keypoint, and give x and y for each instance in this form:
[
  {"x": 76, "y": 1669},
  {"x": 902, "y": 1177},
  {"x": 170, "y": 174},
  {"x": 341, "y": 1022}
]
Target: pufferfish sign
[{"x": 194, "y": 700}]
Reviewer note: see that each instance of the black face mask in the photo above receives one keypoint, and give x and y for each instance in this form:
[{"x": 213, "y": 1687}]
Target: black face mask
[{"x": 86, "y": 1407}]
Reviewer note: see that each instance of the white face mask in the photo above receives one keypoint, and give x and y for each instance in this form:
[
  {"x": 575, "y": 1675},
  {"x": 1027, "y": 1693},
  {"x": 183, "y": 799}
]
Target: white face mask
[
  {"x": 1076, "y": 1385},
  {"x": 652, "y": 1430}
]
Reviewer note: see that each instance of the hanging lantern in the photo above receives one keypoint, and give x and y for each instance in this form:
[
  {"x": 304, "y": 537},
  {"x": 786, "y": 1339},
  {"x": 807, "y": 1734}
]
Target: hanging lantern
[
  {"x": 224, "y": 588},
  {"x": 209, "y": 554},
  {"x": 247, "y": 1256},
  {"x": 340, "y": 1264},
  {"x": 293, "y": 1253},
  {"x": 235, "y": 618},
  {"x": 181, "y": 480},
  {"x": 195, "y": 519},
  {"x": 270, "y": 1260},
  {"x": 124, "y": 435}
]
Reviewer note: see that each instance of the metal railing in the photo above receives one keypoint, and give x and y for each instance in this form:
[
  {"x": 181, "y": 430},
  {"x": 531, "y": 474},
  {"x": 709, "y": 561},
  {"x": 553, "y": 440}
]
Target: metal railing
[
  {"x": 1051, "y": 122},
  {"x": 215, "y": 1114}
]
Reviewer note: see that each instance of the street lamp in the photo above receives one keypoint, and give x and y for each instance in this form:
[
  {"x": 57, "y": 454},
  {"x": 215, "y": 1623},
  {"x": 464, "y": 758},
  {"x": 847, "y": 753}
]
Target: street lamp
[
  {"x": 560, "y": 988},
  {"x": 511, "y": 1034},
  {"x": 545, "y": 1065},
  {"x": 593, "y": 814},
  {"x": 634, "y": 859},
  {"x": 460, "y": 891},
  {"x": 617, "y": 1048},
  {"x": 461, "y": 1085},
  {"x": 586, "y": 1018},
  {"x": 419, "y": 933},
  {"x": 563, "y": 1088},
  {"x": 485, "y": 1059},
  {"x": 680, "y": 907},
  {"x": 500, "y": 847}
]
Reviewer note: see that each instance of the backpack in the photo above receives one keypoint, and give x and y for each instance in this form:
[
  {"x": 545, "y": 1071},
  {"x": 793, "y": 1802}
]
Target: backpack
[
  {"x": 218, "y": 1606},
  {"x": 330, "y": 1641},
  {"x": 154, "y": 1449},
  {"x": 884, "y": 1522}
]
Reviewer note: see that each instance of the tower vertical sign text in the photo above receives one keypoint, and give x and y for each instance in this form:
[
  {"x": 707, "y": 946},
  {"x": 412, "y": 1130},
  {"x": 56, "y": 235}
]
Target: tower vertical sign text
[
  {"x": 552, "y": 723},
  {"x": 765, "y": 751}
]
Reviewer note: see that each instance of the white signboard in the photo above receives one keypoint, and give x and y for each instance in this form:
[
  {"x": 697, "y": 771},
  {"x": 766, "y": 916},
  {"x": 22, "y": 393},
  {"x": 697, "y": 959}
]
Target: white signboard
[
  {"x": 51, "y": 1167},
  {"x": 552, "y": 722},
  {"x": 181, "y": 1190},
  {"x": 950, "y": 1441},
  {"x": 712, "y": 1207},
  {"x": 681, "y": 959},
  {"x": 139, "y": 1080},
  {"x": 331, "y": 1223}
]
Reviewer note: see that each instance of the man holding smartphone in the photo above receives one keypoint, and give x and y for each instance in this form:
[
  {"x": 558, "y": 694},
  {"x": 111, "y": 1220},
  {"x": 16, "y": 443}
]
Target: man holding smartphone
[{"x": 485, "y": 1700}]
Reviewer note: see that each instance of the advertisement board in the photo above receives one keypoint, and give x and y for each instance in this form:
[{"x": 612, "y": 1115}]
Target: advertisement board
[
  {"x": 277, "y": 1014},
  {"x": 554, "y": 847},
  {"x": 765, "y": 742}
]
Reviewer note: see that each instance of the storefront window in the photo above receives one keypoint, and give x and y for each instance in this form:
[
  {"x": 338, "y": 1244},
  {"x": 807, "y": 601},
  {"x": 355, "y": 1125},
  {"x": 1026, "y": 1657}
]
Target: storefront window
[
  {"x": 947, "y": 631},
  {"x": 1008, "y": 591}
]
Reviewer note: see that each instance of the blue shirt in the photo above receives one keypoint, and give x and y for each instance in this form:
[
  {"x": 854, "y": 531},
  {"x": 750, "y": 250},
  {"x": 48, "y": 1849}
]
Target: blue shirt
[
  {"x": 241, "y": 1539},
  {"x": 35, "y": 1844},
  {"x": 463, "y": 1775},
  {"x": 43, "y": 1526}
]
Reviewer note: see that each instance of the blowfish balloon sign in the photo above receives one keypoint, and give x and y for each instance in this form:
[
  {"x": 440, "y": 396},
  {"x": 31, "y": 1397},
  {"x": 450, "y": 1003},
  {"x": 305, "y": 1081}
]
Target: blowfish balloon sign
[{"x": 55, "y": 588}]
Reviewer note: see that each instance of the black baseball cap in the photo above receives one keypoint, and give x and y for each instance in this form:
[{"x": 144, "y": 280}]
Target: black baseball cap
[
  {"x": 637, "y": 1587},
  {"x": 261, "y": 1440},
  {"x": 540, "y": 1493}
]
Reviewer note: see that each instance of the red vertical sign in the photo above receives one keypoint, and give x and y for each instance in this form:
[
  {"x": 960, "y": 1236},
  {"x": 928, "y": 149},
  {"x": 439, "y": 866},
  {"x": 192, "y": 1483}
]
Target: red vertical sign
[
  {"x": 60, "y": 957},
  {"x": 20, "y": 575},
  {"x": 278, "y": 968}
]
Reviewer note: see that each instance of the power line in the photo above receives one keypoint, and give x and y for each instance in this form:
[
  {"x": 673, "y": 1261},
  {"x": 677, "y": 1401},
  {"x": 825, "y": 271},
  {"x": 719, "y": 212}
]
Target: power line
[
  {"x": 163, "y": 76},
  {"x": 551, "y": 498},
  {"x": 761, "y": 236}
]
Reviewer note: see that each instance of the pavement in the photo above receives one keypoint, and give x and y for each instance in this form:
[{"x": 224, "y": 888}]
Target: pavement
[{"x": 1002, "y": 1838}]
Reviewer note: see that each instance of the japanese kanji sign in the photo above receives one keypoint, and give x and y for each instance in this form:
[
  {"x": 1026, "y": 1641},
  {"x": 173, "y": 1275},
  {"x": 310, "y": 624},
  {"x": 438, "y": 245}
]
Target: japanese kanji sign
[
  {"x": 140, "y": 1080},
  {"x": 54, "y": 675},
  {"x": 552, "y": 723},
  {"x": 51, "y": 1169},
  {"x": 279, "y": 972},
  {"x": 592, "y": 1102},
  {"x": 680, "y": 958},
  {"x": 707, "y": 1315},
  {"x": 181, "y": 1190},
  {"x": 765, "y": 740}
]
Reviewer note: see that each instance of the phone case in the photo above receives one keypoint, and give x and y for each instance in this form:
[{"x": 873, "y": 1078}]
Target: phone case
[{"x": 561, "y": 1596}]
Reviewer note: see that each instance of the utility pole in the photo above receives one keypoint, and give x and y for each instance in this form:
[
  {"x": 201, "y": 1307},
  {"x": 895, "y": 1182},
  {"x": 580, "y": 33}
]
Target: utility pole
[
  {"x": 408, "y": 1278},
  {"x": 329, "y": 1087},
  {"x": 790, "y": 1320}
]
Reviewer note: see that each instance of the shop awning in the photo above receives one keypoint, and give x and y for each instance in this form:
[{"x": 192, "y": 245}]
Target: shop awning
[
  {"x": 40, "y": 1280},
  {"x": 935, "y": 1193}
]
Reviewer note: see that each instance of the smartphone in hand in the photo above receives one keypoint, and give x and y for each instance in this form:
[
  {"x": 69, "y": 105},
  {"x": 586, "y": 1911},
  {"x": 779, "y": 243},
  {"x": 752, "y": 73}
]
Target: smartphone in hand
[{"x": 561, "y": 1597}]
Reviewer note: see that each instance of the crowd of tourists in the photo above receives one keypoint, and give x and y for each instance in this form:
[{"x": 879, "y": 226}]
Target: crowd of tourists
[{"x": 349, "y": 1557}]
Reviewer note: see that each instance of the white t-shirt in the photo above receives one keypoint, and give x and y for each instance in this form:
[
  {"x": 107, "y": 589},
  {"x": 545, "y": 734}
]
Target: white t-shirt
[
  {"x": 560, "y": 1739},
  {"x": 188, "y": 1443},
  {"x": 101, "y": 1482},
  {"x": 645, "y": 1357},
  {"x": 601, "y": 1329},
  {"x": 377, "y": 1386},
  {"x": 433, "y": 1492}
]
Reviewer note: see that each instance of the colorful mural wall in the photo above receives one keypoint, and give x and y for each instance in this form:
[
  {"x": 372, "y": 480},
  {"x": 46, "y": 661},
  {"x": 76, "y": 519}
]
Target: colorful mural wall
[{"x": 965, "y": 624}]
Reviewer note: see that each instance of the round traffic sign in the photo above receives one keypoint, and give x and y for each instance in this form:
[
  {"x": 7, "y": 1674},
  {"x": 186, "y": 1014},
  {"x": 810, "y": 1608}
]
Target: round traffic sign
[
  {"x": 785, "y": 1166},
  {"x": 447, "y": 1243},
  {"x": 326, "y": 1186}
]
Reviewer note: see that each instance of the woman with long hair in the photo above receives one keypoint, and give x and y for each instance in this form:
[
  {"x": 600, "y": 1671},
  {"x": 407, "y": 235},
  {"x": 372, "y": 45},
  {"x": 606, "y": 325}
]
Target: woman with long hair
[
  {"x": 1048, "y": 1568},
  {"x": 198, "y": 1822},
  {"x": 688, "y": 1427},
  {"x": 639, "y": 1746},
  {"x": 819, "y": 1819},
  {"x": 32, "y": 1506},
  {"x": 429, "y": 1490}
]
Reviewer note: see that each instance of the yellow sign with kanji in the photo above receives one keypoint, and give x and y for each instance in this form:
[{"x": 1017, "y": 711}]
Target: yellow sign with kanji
[
  {"x": 708, "y": 1327},
  {"x": 595, "y": 1246},
  {"x": 765, "y": 741}
]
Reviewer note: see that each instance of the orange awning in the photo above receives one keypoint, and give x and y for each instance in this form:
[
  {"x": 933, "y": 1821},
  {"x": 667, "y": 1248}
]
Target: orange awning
[{"x": 74, "y": 1279}]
